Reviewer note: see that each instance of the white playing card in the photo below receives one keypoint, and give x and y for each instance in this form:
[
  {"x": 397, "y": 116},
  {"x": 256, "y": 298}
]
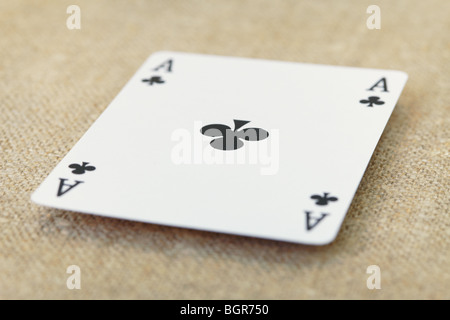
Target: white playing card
[{"x": 250, "y": 147}]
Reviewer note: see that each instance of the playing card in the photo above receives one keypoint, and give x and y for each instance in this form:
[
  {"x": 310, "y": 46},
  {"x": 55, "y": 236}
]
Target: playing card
[{"x": 251, "y": 147}]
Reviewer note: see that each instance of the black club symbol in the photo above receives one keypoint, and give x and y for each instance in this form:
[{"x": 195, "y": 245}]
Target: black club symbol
[
  {"x": 81, "y": 169},
  {"x": 323, "y": 200},
  {"x": 154, "y": 79},
  {"x": 371, "y": 101},
  {"x": 228, "y": 139}
]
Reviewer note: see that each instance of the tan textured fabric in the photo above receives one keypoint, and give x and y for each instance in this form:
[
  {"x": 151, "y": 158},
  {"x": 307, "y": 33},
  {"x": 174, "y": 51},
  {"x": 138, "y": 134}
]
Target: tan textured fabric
[{"x": 55, "y": 82}]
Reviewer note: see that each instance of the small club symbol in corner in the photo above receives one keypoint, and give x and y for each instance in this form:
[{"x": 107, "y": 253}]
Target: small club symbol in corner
[
  {"x": 371, "y": 101},
  {"x": 154, "y": 79},
  {"x": 323, "y": 200},
  {"x": 81, "y": 168}
]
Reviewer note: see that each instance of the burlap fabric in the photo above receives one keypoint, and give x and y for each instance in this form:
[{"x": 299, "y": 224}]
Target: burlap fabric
[{"x": 55, "y": 82}]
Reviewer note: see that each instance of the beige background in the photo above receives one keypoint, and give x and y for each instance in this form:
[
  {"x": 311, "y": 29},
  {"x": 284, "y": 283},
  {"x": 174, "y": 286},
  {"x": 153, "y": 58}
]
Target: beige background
[{"x": 55, "y": 82}]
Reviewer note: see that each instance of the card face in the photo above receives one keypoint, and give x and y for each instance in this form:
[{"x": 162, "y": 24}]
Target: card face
[{"x": 250, "y": 147}]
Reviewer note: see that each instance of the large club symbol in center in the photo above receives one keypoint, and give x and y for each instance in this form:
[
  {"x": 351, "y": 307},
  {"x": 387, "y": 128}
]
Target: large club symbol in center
[{"x": 228, "y": 139}]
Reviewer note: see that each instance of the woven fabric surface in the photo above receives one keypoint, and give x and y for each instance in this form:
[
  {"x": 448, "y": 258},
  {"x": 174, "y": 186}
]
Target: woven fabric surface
[{"x": 55, "y": 82}]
